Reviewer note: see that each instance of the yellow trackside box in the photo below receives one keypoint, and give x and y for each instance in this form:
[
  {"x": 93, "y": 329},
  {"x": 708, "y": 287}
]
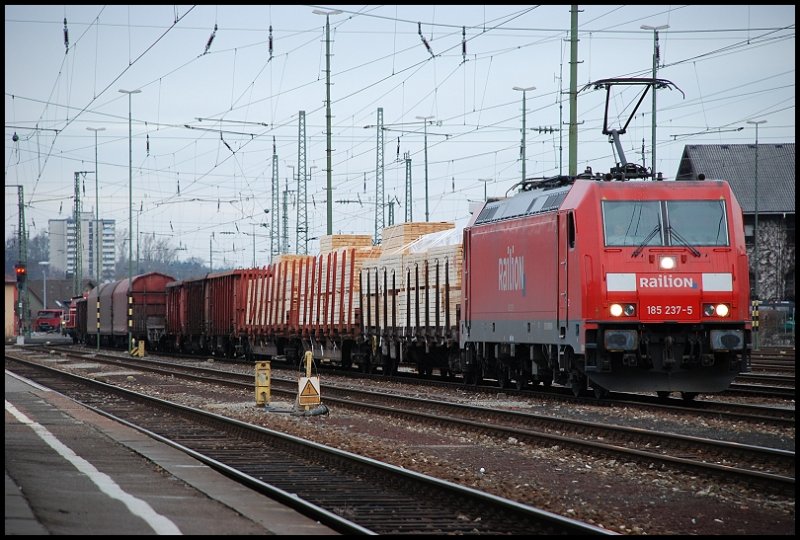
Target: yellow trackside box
[{"x": 262, "y": 383}]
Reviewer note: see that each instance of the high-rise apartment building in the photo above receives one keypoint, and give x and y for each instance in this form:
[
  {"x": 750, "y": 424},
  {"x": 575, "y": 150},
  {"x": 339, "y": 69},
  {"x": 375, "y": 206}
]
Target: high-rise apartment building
[{"x": 93, "y": 245}]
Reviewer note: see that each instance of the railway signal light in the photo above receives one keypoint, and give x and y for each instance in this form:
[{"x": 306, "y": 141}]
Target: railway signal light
[{"x": 21, "y": 272}]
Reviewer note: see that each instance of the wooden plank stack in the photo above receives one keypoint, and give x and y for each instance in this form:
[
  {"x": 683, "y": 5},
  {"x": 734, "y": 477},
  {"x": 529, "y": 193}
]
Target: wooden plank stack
[
  {"x": 397, "y": 238},
  {"x": 330, "y": 242},
  {"x": 289, "y": 257},
  {"x": 414, "y": 265}
]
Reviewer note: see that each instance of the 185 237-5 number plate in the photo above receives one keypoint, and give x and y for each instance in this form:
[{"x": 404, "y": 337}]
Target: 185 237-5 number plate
[{"x": 669, "y": 311}]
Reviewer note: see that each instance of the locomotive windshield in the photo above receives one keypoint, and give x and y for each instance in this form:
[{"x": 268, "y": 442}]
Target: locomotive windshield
[{"x": 665, "y": 223}]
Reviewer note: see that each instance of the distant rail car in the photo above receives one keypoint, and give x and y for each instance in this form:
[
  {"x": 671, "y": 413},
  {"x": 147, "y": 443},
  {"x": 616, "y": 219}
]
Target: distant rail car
[
  {"x": 48, "y": 320},
  {"x": 112, "y": 310}
]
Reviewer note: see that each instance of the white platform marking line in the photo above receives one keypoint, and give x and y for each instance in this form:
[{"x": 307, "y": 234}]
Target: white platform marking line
[{"x": 138, "y": 507}]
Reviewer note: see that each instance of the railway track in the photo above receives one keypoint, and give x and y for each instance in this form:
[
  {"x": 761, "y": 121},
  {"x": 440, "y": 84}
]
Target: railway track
[
  {"x": 735, "y": 412},
  {"x": 772, "y": 468},
  {"x": 350, "y": 493}
]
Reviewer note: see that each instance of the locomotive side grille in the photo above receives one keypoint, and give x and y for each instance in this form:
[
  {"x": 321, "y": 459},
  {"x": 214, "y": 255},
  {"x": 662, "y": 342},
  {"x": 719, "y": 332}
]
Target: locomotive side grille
[
  {"x": 524, "y": 204},
  {"x": 554, "y": 201},
  {"x": 487, "y": 214},
  {"x": 542, "y": 204}
]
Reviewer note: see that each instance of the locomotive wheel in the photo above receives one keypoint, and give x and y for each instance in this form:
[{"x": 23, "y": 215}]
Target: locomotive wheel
[
  {"x": 662, "y": 395},
  {"x": 521, "y": 381},
  {"x": 688, "y": 396}
]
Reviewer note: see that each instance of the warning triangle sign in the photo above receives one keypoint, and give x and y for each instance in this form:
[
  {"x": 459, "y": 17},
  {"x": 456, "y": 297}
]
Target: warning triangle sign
[
  {"x": 309, "y": 395},
  {"x": 309, "y": 390}
]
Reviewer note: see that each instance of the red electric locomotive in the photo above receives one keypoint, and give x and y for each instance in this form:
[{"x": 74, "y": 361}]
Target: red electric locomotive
[
  {"x": 610, "y": 281},
  {"x": 629, "y": 286}
]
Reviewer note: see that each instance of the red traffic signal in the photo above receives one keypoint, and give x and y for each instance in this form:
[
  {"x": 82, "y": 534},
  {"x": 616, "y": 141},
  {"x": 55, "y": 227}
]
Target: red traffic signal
[{"x": 21, "y": 272}]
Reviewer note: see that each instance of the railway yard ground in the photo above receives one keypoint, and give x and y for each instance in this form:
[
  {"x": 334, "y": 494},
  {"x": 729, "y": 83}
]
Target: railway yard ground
[{"x": 615, "y": 493}]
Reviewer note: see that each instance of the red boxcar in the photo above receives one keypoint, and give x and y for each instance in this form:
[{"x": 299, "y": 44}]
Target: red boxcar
[
  {"x": 550, "y": 294},
  {"x": 148, "y": 310},
  {"x": 208, "y": 314},
  {"x": 177, "y": 316}
]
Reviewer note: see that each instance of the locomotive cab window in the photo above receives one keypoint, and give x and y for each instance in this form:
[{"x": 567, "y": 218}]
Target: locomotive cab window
[
  {"x": 632, "y": 223},
  {"x": 665, "y": 223},
  {"x": 697, "y": 223}
]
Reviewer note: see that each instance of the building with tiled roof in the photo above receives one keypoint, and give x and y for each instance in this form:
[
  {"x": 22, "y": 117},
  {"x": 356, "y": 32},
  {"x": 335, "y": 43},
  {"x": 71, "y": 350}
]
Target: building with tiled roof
[{"x": 774, "y": 205}]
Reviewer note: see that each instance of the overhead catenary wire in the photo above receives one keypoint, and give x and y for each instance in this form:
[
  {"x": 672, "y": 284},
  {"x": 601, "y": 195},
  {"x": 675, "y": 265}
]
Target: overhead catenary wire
[{"x": 220, "y": 169}]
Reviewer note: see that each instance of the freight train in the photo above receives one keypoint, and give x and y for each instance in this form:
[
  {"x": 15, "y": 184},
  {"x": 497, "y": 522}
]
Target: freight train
[
  {"x": 614, "y": 282},
  {"x": 587, "y": 282}
]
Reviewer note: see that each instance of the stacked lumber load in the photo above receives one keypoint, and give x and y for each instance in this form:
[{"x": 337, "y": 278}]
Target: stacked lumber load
[
  {"x": 397, "y": 238},
  {"x": 331, "y": 242},
  {"x": 334, "y": 293},
  {"x": 401, "y": 291},
  {"x": 289, "y": 257}
]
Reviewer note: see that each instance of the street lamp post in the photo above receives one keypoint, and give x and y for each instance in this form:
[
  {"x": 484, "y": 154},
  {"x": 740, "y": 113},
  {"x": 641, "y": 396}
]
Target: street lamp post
[
  {"x": 130, "y": 209},
  {"x": 44, "y": 265},
  {"x": 425, "y": 120},
  {"x": 329, "y": 188},
  {"x": 755, "y": 226},
  {"x": 656, "y": 55},
  {"x": 97, "y": 235},
  {"x": 522, "y": 151}
]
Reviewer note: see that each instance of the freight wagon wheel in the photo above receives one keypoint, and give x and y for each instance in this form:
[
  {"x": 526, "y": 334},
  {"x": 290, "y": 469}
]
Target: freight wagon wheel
[
  {"x": 577, "y": 383},
  {"x": 688, "y": 396},
  {"x": 521, "y": 381},
  {"x": 366, "y": 364},
  {"x": 599, "y": 391},
  {"x": 662, "y": 395},
  {"x": 473, "y": 377},
  {"x": 389, "y": 367},
  {"x": 503, "y": 380}
]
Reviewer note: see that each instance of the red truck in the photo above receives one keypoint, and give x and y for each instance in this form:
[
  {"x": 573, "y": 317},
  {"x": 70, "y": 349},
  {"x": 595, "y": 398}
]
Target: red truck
[{"x": 48, "y": 320}]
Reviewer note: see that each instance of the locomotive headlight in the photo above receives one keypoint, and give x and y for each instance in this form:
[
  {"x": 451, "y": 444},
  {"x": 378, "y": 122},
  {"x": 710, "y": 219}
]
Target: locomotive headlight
[
  {"x": 667, "y": 263},
  {"x": 618, "y": 310},
  {"x": 719, "y": 310}
]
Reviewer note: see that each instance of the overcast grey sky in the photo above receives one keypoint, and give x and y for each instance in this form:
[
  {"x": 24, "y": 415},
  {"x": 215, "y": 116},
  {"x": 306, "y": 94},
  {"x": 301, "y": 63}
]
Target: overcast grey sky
[{"x": 204, "y": 123}]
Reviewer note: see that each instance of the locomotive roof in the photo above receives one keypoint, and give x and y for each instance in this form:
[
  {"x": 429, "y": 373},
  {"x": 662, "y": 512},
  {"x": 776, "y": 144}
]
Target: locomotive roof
[
  {"x": 549, "y": 199},
  {"x": 525, "y": 203}
]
